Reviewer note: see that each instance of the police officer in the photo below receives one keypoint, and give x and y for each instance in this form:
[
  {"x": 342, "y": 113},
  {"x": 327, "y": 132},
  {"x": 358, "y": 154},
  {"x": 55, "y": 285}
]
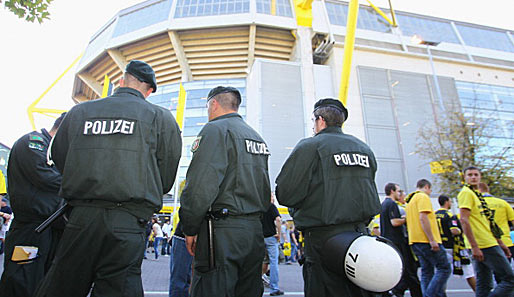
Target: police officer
[
  {"x": 118, "y": 156},
  {"x": 329, "y": 182},
  {"x": 33, "y": 189},
  {"x": 227, "y": 179}
]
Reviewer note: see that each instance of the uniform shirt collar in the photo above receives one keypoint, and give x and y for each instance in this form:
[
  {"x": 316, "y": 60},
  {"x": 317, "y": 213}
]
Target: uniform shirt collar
[
  {"x": 331, "y": 129},
  {"x": 125, "y": 90},
  {"x": 228, "y": 115}
]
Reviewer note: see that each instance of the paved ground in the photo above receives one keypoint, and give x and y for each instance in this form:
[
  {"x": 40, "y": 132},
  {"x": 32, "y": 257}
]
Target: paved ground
[
  {"x": 156, "y": 280},
  {"x": 155, "y": 276}
]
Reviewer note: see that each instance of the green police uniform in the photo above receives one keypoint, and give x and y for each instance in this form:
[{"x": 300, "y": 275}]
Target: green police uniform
[
  {"x": 33, "y": 188},
  {"x": 118, "y": 156},
  {"x": 229, "y": 170},
  {"x": 328, "y": 181}
]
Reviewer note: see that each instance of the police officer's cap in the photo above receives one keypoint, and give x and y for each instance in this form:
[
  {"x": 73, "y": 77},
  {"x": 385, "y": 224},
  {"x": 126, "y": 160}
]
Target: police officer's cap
[
  {"x": 143, "y": 72},
  {"x": 331, "y": 102},
  {"x": 220, "y": 90}
]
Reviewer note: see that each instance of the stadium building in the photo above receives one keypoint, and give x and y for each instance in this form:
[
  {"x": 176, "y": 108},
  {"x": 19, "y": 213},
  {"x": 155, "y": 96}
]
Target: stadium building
[{"x": 282, "y": 68}]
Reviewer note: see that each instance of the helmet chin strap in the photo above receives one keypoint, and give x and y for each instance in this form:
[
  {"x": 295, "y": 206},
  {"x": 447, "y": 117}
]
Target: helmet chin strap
[{"x": 49, "y": 160}]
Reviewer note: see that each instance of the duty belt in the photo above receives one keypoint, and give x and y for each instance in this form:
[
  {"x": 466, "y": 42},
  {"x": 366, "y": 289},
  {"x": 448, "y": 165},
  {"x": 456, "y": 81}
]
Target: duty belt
[
  {"x": 141, "y": 210},
  {"x": 225, "y": 213}
]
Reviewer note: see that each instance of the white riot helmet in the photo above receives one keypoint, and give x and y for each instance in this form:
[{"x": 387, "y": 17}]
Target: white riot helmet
[{"x": 372, "y": 263}]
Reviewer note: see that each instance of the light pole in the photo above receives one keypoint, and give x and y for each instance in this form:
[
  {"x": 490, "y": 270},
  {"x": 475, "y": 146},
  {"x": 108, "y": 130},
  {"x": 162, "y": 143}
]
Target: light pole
[{"x": 418, "y": 40}]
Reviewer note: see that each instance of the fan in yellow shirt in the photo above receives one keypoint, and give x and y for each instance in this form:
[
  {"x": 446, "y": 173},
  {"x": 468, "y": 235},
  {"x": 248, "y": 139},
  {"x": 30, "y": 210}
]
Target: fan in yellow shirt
[
  {"x": 419, "y": 209},
  {"x": 484, "y": 235},
  {"x": 479, "y": 223},
  {"x": 503, "y": 214},
  {"x": 425, "y": 240}
]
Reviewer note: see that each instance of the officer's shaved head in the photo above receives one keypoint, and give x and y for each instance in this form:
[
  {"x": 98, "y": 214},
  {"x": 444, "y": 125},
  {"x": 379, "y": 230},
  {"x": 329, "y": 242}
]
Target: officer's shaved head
[
  {"x": 228, "y": 100},
  {"x": 131, "y": 81}
]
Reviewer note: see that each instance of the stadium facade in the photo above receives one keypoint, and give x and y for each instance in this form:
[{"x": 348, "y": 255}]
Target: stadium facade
[{"x": 282, "y": 68}]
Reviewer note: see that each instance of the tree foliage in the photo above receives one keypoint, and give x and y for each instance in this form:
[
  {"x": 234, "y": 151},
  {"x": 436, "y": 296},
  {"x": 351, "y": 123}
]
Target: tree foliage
[
  {"x": 31, "y": 10},
  {"x": 466, "y": 141}
]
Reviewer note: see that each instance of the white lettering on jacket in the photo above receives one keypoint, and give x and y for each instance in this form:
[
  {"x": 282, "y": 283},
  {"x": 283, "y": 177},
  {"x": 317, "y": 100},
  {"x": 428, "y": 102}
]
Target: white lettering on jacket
[
  {"x": 109, "y": 127},
  {"x": 351, "y": 159},
  {"x": 256, "y": 148}
]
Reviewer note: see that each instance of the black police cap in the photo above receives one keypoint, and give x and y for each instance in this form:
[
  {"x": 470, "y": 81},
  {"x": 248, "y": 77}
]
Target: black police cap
[
  {"x": 220, "y": 90},
  {"x": 143, "y": 72},
  {"x": 331, "y": 102}
]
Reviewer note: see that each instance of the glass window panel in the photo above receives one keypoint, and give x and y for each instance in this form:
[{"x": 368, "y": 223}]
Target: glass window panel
[
  {"x": 284, "y": 8},
  {"x": 143, "y": 17},
  {"x": 506, "y": 116},
  {"x": 211, "y": 7},
  {"x": 485, "y": 38},
  {"x": 368, "y": 19},
  {"x": 432, "y": 30},
  {"x": 492, "y": 108}
]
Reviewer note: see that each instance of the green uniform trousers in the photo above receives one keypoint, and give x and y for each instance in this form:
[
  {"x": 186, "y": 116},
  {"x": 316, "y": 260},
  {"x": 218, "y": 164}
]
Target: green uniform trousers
[
  {"x": 319, "y": 281},
  {"x": 239, "y": 250},
  {"x": 21, "y": 280},
  {"x": 101, "y": 249}
]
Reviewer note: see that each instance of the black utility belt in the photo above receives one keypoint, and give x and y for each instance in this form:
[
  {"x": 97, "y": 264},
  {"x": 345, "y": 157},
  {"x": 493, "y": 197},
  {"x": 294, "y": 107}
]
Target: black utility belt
[
  {"x": 141, "y": 210},
  {"x": 224, "y": 213}
]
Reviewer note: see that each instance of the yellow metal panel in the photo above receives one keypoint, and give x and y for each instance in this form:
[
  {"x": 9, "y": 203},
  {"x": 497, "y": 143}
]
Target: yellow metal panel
[
  {"x": 105, "y": 90},
  {"x": 349, "y": 41},
  {"x": 303, "y": 9},
  {"x": 181, "y": 106}
]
